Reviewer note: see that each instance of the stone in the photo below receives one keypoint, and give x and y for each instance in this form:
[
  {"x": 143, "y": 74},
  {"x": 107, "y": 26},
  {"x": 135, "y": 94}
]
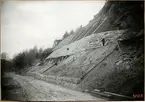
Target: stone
[
  {"x": 127, "y": 66},
  {"x": 119, "y": 62}
]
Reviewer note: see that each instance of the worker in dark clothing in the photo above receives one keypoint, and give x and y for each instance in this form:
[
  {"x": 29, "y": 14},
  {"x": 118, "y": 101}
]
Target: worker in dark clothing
[
  {"x": 55, "y": 63},
  {"x": 103, "y": 41}
]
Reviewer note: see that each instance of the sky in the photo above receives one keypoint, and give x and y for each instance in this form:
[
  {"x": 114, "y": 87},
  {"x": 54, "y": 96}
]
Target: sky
[{"x": 25, "y": 24}]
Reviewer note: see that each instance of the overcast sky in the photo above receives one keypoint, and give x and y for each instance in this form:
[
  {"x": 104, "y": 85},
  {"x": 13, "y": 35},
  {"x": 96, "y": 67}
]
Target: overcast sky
[{"x": 28, "y": 23}]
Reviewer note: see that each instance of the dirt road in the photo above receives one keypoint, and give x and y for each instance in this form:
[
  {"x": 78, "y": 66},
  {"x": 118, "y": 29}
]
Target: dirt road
[{"x": 37, "y": 90}]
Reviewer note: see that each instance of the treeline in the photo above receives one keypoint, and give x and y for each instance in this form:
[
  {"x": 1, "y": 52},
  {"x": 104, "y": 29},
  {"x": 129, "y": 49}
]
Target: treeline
[
  {"x": 66, "y": 34},
  {"x": 28, "y": 57}
]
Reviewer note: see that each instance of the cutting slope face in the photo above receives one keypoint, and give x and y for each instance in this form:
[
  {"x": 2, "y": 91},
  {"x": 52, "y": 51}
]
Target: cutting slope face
[
  {"x": 92, "y": 27},
  {"x": 80, "y": 61},
  {"x": 92, "y": 41},
  {"x": 113, "y": 16}
]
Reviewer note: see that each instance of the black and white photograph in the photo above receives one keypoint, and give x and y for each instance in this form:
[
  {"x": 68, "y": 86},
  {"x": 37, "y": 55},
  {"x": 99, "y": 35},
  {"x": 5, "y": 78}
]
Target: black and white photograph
[{"x": 59, "y": 50}]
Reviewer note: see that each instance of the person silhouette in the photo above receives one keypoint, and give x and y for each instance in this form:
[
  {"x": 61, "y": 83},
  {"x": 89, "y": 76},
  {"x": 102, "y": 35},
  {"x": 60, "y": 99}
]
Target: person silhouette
[{"x": 103, "y": 41}]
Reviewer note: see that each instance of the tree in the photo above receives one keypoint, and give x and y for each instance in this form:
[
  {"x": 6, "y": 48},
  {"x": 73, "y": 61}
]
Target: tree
[
  {"x": 46, "y": 53},
  {"x": 4, "y": 56},
  {"x": 19, "y": 61},
  {"x": 28, "y": 57},
  {"x": 72, "y": 32},
  {"x": 65, "y": 35}
]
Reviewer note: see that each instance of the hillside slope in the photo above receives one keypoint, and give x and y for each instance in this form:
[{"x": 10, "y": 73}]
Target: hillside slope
[
  {"x": 83, "y": 61},
  {"x": 113, "y": 16}
]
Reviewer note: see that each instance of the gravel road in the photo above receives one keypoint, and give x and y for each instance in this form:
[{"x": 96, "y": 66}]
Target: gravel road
[{"x": 37, "y": 90}]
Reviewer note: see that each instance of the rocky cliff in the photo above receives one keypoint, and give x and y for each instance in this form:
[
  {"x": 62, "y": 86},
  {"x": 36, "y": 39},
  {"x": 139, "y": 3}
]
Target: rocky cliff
[{"x": 106, "y": 53}]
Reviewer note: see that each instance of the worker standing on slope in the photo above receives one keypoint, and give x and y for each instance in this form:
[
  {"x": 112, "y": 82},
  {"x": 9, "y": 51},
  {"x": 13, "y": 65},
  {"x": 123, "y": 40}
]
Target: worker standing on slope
[{"x": 103, "y": 41}]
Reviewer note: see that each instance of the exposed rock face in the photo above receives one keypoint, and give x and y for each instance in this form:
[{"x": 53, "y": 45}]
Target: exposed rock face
[
  {"x": 114, "y": 15},
  {"x": 81, "y": 61}
]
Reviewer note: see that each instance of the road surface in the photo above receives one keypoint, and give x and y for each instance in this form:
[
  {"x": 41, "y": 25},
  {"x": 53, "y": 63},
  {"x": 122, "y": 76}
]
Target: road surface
[{"x": 37, "y": 90}]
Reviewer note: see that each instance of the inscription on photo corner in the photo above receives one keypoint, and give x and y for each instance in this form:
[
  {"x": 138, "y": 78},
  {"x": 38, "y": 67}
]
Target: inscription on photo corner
[{"x": 138, "y": 95}]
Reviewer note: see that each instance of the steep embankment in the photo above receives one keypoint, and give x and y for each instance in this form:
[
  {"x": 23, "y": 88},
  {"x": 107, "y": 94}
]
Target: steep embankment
[
  {"x": 80, "y": 61},
  {"x": 114, "y": 15}
]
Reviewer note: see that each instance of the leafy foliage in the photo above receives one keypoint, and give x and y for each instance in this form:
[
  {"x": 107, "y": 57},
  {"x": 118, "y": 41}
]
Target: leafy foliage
[
  {"x": 4, "y": 56},
  {"x": 27, "y": 58}
]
